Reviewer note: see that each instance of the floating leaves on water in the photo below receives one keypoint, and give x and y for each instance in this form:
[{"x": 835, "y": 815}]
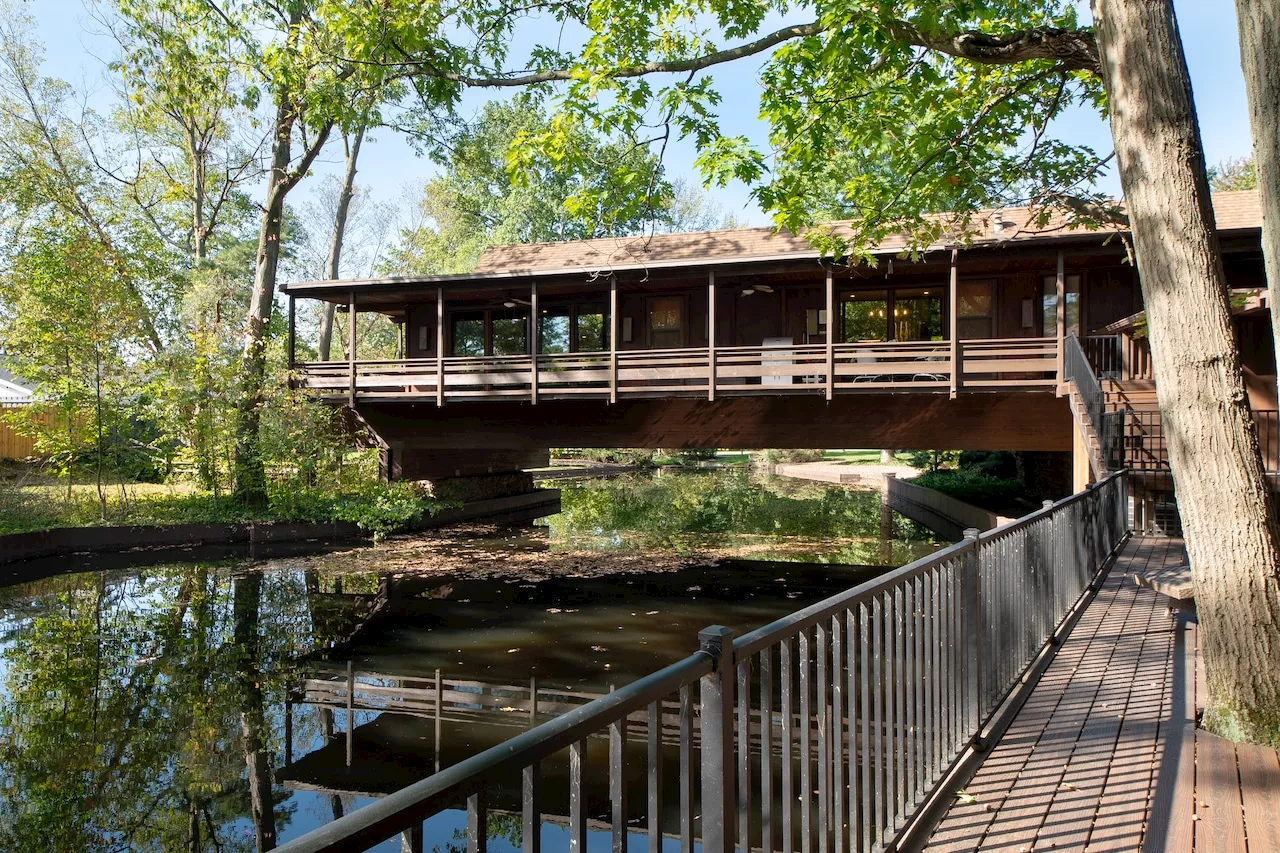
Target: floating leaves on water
[
  {"x": 554, "y": 610},
  {"x": 512, "y": 651},
  {"x": 652, "y": 612},
  {"x": 599, "y": 648}
]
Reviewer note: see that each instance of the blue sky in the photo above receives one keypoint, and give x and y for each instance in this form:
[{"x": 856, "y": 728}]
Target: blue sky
[{"x": 75, "y": 53}]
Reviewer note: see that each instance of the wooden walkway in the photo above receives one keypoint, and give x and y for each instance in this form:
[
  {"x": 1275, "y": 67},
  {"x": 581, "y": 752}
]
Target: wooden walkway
[{"x": 1104, "y": 755}]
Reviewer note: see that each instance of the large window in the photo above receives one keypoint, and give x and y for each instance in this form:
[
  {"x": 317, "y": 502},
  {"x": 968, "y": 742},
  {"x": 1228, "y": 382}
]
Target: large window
[
  {"x": 917, "y": 314},
  {"x": 468, "y": 333},
  {"x": 593, "y": 331},
  {"x": 510, "y": 333},
  {"x": 1071, "y": 290},
  {"x": 554, "y": 327},
  {"x": 865, "y": 316}
]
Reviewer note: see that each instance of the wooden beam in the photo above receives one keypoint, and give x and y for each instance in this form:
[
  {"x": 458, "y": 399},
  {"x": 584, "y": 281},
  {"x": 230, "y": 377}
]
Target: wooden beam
[
  {"x": 533, "y": 342},
  {"x": 293, "y": 333},
  {"x": 831, "y": 336},
  {"x": 613, "y": 339},
  {"x": 439, "y": 346},
  {"x": 954, "y": 329},
  {"x": 351, "y": 348},
  {"x": 1061, "y": 304},
  {"x": 711, "y": 334}
]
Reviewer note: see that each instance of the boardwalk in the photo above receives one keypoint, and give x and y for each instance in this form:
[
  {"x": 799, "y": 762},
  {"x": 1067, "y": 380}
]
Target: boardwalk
[{"x": 1104, "y": 756}]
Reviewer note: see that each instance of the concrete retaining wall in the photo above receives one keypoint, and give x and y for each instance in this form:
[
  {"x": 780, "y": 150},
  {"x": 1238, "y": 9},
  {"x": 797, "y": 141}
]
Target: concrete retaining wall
[
  {"x": 941, "y": 513},
  {"x": 64, "y": 541}
]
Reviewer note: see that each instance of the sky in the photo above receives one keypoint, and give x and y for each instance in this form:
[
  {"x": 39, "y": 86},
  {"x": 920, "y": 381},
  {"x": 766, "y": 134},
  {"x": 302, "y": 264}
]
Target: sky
[{"x": 75, "y": 52}]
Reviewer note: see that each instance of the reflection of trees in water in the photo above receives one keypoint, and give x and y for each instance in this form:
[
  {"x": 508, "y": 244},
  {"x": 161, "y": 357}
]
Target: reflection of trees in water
[
  {"x": 134, "y": 707},
  {"x": 499, "y": 827},
  {"x": 662, "y": 510}
]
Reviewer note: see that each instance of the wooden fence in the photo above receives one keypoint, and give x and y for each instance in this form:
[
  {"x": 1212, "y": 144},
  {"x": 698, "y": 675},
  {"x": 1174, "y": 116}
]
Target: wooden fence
[{"x": 13, "y": 444}]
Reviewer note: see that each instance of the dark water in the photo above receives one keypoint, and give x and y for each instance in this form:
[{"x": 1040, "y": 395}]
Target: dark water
[{"x": 148, "y": 706}]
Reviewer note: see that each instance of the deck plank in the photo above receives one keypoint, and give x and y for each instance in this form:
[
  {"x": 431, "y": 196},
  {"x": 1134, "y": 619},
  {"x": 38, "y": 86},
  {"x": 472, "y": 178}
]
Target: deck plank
[
  {"x": 1219, "y": 811},
  {"x": 1260, "y": 790},
  {"x": 1074, "y": 769}
]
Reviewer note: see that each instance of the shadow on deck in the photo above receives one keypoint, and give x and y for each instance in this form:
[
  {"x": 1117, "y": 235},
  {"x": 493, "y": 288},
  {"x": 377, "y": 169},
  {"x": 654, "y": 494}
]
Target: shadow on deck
[{"x": 1105, "y": 755}]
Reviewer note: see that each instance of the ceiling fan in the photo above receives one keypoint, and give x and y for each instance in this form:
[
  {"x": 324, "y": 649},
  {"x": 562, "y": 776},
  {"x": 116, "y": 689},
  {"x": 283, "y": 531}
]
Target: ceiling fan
[
  {"x": 512, "y": 301},
  {"x": 756, "y": 288}
]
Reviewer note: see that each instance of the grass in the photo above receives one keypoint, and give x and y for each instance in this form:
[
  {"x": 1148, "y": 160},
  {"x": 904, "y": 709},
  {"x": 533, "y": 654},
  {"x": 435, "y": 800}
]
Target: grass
[{"x": 376, "y": 507}]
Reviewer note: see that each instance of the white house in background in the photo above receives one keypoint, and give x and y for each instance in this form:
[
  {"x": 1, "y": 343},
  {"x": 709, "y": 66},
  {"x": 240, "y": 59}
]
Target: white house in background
[{"x": 13, "y": 391}]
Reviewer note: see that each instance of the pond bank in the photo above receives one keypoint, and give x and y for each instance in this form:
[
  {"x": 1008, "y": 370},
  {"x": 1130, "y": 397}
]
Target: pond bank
[{"x": 16, "y": 548}]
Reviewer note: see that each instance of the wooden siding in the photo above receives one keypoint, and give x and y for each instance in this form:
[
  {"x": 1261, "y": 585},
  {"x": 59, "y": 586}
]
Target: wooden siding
[{"x": 13, "y": 444}]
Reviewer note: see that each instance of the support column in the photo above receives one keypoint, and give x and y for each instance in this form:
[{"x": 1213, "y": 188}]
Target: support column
[
  {"x": 711, "y": 335},
  {"x": 831, "y": 336},
  {"x": 613, "y": 339},
  {"x": 533, "y": 342},
  {"x": 954, "y": 322},
  {"x": 440, "y": 346},
  {"x": 351, "y": 348},
  {"x": 1081, "y": 469},
  {"x": 293, "y": 333},
  {"x": 1061, "y": 304}
]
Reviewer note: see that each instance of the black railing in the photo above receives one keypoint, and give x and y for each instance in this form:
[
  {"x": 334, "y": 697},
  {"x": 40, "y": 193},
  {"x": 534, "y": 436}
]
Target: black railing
[{"x": 849, "y": 713}]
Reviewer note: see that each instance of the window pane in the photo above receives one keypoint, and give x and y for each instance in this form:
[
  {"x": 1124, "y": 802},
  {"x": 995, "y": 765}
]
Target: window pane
[
  {"x": 917, "y": 315},
  {"x": 553, "y": 331},
  {"x": 468, "y": 335},
  {"x": 666, "y": 322},
  {"x": 974, "y": 299},
  {"x": 592, "y": 332},
  {"x": 1072, "y": 304},
  {"x": 509, "y": 333},
  {"x": 865, "y": 317}
]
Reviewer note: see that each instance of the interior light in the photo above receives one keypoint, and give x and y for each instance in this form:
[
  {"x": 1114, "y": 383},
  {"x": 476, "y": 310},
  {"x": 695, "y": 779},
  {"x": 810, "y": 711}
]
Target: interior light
[{"x": 508, "y": 304}]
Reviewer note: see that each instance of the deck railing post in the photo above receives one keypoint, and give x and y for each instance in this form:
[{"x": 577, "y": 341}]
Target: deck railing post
[
  {"x": 971, "y": 634},
  {"x": 716, "y": 695},
  {"x": 954, "y": 321},
  {"x": 439, "y": 346},
  {"x": 533, "y": 343},
  {"x": 351, "y": 348},
  {"x": 613, "y": 339},
  {"x": 831, "y": 336},
  {"x": 711, "y": 335}
]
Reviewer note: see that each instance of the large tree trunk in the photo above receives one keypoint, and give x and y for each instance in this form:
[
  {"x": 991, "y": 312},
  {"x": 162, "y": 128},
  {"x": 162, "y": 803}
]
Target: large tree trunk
[
  {"x": 333, "y": 262},
  {"x": 1259, "y": 22},
  {"x": 1213, "y": 448},
  {"x": 250, "y": 474}
]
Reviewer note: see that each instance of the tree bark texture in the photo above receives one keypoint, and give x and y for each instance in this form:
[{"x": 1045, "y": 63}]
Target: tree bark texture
[
  {"x": 1213, "y": 448},
  {"x": 333, "y": 262},
  {"x": 1259, "y": 22},
  {"x": 250, "y": 473}
]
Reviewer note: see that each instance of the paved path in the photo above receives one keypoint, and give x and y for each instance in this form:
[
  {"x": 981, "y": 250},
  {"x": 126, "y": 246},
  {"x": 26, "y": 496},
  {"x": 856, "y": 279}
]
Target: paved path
[
  {"x": 870, "y": 474},
  {"x": 1104, "y": 756}
]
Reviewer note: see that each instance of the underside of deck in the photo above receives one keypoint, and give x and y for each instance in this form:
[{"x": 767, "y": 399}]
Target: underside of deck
[{"x": 1105, "y": 755}]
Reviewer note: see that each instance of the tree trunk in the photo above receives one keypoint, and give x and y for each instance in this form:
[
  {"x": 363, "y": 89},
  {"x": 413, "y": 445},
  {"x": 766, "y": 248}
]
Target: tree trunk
[
  {"x": 250, "y": 474},
  {"x": 335, "y": 242},
  {"x": 1213, "y": 448},
  {"x": 247, "y": 596},
  {"x": 1259, "y": 22}
]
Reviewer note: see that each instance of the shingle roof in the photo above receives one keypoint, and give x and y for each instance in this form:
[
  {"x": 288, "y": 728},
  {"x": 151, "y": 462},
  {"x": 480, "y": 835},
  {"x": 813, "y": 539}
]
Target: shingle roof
[{"x": 1233, "y": 211}]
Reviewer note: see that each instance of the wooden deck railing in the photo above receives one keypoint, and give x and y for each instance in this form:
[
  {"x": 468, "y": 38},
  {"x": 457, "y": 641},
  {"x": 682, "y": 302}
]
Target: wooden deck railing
[
  {"x": 829, "y": 729},
  {"x": 983, "y": 365}
]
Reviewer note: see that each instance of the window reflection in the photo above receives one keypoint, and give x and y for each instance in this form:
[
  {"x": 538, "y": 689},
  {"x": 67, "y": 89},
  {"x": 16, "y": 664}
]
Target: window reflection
[
  {"x": 468, "y": 334},
  {"x": 553, "y": 330},
  {"x": 866, "y": 316},
  {"x": 510, "y": 333},
  {"x": 592, "y": 330},
  {"x": 1071, "y": 291}
]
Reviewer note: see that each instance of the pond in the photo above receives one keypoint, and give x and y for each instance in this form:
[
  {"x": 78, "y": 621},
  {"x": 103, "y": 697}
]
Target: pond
[{"x": 203, "y": 705}]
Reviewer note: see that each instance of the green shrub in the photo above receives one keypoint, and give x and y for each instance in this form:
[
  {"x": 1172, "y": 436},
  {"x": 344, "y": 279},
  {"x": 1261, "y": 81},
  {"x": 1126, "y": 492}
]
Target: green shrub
[
  {"x": 996, "y": 494},
  {"x": 773, "y": 457}
]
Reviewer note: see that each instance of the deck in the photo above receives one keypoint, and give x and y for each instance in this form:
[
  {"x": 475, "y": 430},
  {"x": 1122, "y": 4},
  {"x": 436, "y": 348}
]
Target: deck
[
  {"x": 894, "y": 366},
  {"x": 1105, "y": 756}
]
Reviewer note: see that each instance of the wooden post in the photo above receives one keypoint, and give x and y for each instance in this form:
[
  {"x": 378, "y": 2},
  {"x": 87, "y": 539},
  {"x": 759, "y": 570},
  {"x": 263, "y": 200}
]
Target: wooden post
[
  {"x": 613, "y": 339},
  {"x": 1061, "y": 305},
  {"x": 533, "y": 342},
  {"x": 293, "y": 332},
  {"x": 440, "y": 346},
  {"x": 954, "y": 289},
  {"x": 831, "y": 335},
  {"x": 351, "y": 347},
  {"x": 711, "y": 335},
  {"x": 716, "y": 690}
]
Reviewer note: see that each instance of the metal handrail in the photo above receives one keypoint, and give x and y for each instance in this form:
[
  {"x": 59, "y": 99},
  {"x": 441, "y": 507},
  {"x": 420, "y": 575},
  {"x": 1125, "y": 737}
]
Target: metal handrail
[{"x": 928, "y": 651}]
